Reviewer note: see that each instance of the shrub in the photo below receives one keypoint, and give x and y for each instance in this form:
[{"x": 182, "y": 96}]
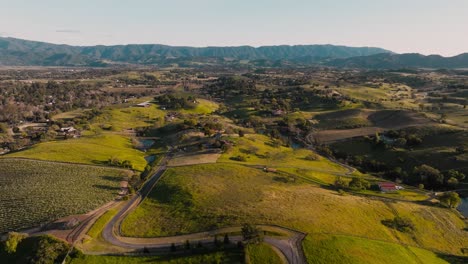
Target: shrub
[
  {"x": 399, "y": 223},
  {"x": 359, "y": 184},
  {"x": 312, "y": 157},
  {"x": 238, "y": 158},
  {"x": 450, "y": 199}
]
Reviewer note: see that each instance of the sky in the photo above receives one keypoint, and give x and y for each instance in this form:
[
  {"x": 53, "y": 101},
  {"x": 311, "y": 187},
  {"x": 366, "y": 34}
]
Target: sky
[{"x": 402, "y": 26}]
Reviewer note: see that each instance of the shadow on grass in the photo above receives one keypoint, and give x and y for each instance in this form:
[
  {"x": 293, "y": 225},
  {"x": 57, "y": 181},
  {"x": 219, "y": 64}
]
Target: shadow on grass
[
  {"x": 111, "y": 178},
  {"x": 106, "y": 187},
  {"x": 454, "y": 259}
]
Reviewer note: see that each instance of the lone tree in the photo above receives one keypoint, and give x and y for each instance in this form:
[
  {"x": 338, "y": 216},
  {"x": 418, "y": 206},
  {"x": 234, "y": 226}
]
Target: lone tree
[
  {"x": 226, "y": 240},
  {"x": 450, "y": 199},
  {"x": 340, "y": 183},
  {"x": 251, "y": 234}
]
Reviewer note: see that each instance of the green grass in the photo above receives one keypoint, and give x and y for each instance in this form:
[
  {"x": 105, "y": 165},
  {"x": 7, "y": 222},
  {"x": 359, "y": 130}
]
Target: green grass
[
  {"x": 261, "y": 253},
  {"x": 231, "y": 256},
  {"x": 97, "y": 227},
  {"x": 203, "y": 107},
  {"x": 322, "y": 248},
  {"x": 86, "y": 150},
  {"x": 266, "y": 154},
  {"x": 35, "y": 192},
  {"x": 408, "y": 195},
  {"x": 119, "y": 119},
  {"x": 204, "y": 197}
]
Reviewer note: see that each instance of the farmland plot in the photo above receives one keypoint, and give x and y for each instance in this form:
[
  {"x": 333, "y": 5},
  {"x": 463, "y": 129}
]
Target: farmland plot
[{"x": 35, "y": 192}]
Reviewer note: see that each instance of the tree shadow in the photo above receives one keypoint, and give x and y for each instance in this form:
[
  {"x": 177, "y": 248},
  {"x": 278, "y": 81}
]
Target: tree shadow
[
  {"x": 106, "y": 187},
  {"x": 111, "y": 178},
  {"x": 453, "y": 259}
]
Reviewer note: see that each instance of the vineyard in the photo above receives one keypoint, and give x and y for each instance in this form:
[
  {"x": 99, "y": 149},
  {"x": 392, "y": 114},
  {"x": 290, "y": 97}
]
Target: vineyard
[{"x": 36, "y": 192}]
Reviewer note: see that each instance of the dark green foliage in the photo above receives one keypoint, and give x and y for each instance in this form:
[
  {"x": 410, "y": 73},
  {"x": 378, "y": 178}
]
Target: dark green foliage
[
  {"x": 450, "y": 199},
  {"x": 340, "y": 183},
  {"x": 12, "y": 241},
  {"x": 429, "y": 175},
  {"x": 170, "y": 101},
  {"x": 239, "y": 158},
  {"x": 42, "y": 249},
  {"x": 187, "y": 245},
  {"x": 226, "y": 240},
  {"x": 251, "y": 234},
  {"x": 399, "y": 223},
  {"x": 359, "y": 184}
]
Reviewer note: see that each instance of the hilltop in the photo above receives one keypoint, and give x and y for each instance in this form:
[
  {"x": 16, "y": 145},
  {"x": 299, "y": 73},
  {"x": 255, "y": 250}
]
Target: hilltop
[{"x": 19, "y": 52}]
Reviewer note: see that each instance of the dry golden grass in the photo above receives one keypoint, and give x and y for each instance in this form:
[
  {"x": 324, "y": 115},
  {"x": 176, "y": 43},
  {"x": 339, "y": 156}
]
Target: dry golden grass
[{"x": 202, "y": 197}]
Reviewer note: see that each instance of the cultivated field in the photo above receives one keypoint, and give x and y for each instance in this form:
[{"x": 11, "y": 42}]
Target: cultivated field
[{"x": 37, "y": 192}]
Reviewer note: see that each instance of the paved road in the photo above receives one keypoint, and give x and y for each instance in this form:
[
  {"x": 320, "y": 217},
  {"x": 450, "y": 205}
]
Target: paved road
[{"x": 290, "y": 245}]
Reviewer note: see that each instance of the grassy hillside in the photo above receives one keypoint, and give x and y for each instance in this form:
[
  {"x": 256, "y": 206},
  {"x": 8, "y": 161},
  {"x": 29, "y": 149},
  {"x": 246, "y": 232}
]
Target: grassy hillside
[
  {"x": 259, "y": 150},
  {"x": 324, "y": 249},
  {"x": 234, "y": 256},
  {"x": 118, "y": 119},
  {"x": 86, "y": 150},
  {"x": 35, "y": 192},
  {"x": 261, "y": 253},
  {"x": 196, "y": 198}
]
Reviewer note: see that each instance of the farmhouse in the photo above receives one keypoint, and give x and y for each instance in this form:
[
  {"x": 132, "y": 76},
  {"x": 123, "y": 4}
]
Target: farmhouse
[
  {"x": 389, "y": 187},
  {"x": 68, "y": 132}
]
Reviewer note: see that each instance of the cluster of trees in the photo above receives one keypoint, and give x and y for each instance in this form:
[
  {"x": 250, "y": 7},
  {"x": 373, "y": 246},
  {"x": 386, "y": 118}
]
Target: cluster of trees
[
  {"x": 44, "y": 249},
  {"x": 170, "y": 101},
  {"x": 433, "y": 178},
  {"x": 37, "y": 102},
  {"x": 227, "y": 87},
  {"x": 356, "y": 184},
  {"x": 114, "y": 161}
]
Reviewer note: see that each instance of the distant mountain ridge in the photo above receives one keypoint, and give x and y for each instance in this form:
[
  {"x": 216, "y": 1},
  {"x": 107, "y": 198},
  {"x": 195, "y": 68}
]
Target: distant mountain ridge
[
  {"x": 397, "y": 61},
  {"x": 18, "y": 52}
]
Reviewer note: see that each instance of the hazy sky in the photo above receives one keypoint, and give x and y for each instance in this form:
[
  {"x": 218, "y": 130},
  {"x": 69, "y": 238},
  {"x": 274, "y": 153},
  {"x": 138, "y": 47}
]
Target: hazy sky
[{"x": 425, "y": 26}]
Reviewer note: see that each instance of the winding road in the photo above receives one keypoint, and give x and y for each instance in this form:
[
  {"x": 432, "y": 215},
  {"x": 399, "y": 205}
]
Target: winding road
[{"x": 289, "y": 244}]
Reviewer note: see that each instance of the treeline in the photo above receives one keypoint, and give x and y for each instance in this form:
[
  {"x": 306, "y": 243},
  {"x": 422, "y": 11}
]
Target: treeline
[{"x": 173, "y": 102}]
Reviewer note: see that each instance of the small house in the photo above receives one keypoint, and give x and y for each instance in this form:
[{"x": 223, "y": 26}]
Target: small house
[{"x": 389, "y": 187}]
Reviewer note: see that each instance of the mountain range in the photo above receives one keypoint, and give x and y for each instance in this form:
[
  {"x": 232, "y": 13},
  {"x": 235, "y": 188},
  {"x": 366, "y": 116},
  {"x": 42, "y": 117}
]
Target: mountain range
[{"x": 19, "y": 52}]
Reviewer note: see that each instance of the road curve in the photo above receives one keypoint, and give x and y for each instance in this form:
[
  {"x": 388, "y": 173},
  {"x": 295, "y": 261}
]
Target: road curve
[{"x": 290, "y": 245}]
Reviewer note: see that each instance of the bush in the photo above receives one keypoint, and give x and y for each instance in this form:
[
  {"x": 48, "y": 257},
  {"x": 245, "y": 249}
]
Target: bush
[
  {"x": 450, "y": 199},
  {"x": 312, "y": 157},
  {"x": 359, "y": 184},
  {"x": 239, "y": 158},
  {"x": 399, "y": 223},
  {"x": 340, "y": 183}
]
